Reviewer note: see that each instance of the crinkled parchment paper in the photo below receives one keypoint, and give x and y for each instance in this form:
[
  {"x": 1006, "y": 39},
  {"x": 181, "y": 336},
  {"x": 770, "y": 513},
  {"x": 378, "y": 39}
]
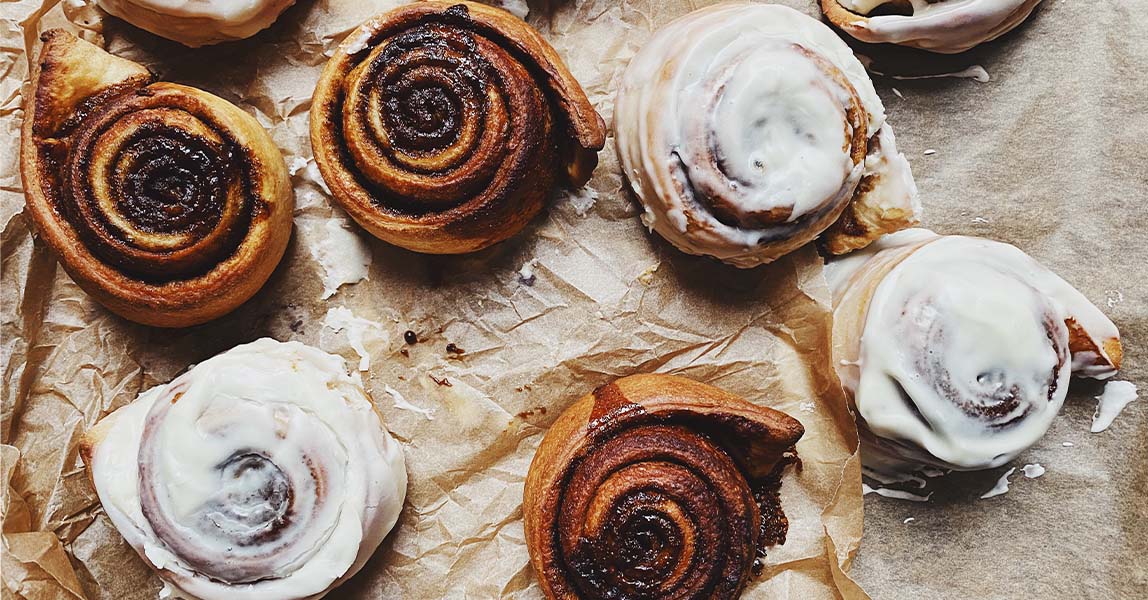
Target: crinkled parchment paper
[{"x": 583, "y": 296}]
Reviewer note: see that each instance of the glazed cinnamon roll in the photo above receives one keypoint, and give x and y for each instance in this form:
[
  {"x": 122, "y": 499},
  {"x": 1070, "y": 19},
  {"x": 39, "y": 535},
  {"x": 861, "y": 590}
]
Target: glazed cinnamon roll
[
  {"x": 956, "y": 351},
  {"x": 167, "y": 204},
  {"x": 442, "y": 126},
  {"x": 944, "y": 26},
  {"x": 747, "y": 130},
  {"x": 198, "y": 23},
  {"x": 656, "y": 486},
  {"x": 262, "y": 473}
]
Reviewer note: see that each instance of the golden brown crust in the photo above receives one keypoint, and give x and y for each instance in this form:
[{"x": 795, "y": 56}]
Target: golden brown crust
[
  {"x": 154, "y": 247},
  {"x": 441, "y": 126},
  {"x": 624, "y": 463}
]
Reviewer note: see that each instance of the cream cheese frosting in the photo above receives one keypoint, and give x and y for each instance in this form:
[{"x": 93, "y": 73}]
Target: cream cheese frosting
[
  {"x": 945, "y": 26},
  {"x": 262, "y": 473},
  {"x": 199, "y": 22},
  {"x": 965, "y": 348},
  {"x": 742, "y": 128}
]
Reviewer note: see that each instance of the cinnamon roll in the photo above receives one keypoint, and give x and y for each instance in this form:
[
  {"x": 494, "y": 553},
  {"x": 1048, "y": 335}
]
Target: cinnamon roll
[
  {"x": 442, "y": 126},
  {"x": 943, "y": 26},
  {"x": 656, "y": 486},
  {"x": 167, "y": 204},
  {"x": 748, "y": 130},
  {"x": 262, "y": 473},
  {"x": 198, "y": 23},
  {"x": 956, "y": 351}
]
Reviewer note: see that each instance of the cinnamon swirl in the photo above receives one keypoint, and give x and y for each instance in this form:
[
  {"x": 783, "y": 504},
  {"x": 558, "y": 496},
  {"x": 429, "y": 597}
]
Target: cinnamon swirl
[
  {"x": 442, "y": 126},
  {"x": 167, "y": 204},
  {"x": 956, "y": 351},
  {"x": 262, "y": 473},
  {"x": 656, "y": 486},
  {"x": 943, "y": 26},
  {"x": 747, "y": 130}
]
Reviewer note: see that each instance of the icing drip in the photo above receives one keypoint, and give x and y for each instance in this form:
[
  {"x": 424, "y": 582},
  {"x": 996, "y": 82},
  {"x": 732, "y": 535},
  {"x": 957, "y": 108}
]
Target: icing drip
[{"x": 199, "y": 22}]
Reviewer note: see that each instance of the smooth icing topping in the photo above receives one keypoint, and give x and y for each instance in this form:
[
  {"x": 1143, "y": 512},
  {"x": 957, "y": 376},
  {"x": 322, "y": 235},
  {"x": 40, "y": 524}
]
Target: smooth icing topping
[
  {"x": 199, "y": 22},
  {"x": 947, "y": 26},
  {"x": 742, "y": 126},
  {"x": 964, "y": 359},
  {"x": 261, "y": 473}
]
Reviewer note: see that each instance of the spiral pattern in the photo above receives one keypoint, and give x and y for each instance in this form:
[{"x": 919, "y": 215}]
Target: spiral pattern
[
  {"x": 958, "y": 351},
  {"x": 943, "y": 26},
  {"x": 158, "y": 186},
  {"x": 653, "y": 500},
  {"x": 262, "y": 473},
  {"x": 169, "y": 205},
  {"x": 745, "y": 130},
  {"x": 442, "y": 127}
]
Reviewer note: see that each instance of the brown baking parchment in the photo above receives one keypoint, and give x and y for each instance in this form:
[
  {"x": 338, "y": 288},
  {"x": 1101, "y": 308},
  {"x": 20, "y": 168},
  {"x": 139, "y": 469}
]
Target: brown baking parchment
[{"x": 583, "y": 296}]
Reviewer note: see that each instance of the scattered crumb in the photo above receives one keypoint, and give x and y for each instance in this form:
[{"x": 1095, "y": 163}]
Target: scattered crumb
[
  {"x": 930, "y": 152},
  {"x": 1032, "y": 471},
  {"x": 526, "y": 273},
  {"x": 1068, "y": 444},
  {"x": 647, "y": 276},
  {"x": 1001, "y": 486},
  {"x": 1111, "y": 401},
  {"x": 443, "y": 382},
  {"x": 898, "y": 93},
  {"x": 909, "y": 520},
  {"x": 1113, "y": 297},
  {"x": 453, "y": 349}
]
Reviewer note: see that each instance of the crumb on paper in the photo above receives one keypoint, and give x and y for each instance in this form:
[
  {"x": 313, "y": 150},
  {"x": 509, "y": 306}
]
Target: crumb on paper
[
  {"x": 895, "y": 494},
  {"x": 647, "y": 276},
  {"x": 340, "y": 318},
  {"x": 582, "y": 199},
  {"x": 1033, "y": 471},
  {"x": 930, "y": 152},
  {"x": 1001, "y": 486},
  {"x": 1111, "y": 402},
  {"x": 403, "y": 404},
  {"x": 909, "y": 520},
  {"x": 1068, "y": 444},
  {"x": 526, "y": 273},
  {"x": 898, "y": 93},
  {"x": 1113, "y": 297},
  {"x": 980, "y": 220}
]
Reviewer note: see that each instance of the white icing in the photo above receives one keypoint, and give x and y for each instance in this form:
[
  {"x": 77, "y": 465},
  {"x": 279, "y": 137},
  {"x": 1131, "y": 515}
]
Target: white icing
[
  {"x": 1111, "y": 402},
  {"x": 947, "y": 26},
  {"x": 733, "y": 81},
  {"x": 199, "y": 22},
  {"x": 358, "y": 331},
  {"x": 955, "y": 364},
  {"x": 402, "y": 403},
  {"x": 1001, "y": 486},
  {"x": 300, "y": 410},
  {"x": 1033, "y": 471},
  {"x": 896, "y": 494},
  {"x": 343, "y": 256}
]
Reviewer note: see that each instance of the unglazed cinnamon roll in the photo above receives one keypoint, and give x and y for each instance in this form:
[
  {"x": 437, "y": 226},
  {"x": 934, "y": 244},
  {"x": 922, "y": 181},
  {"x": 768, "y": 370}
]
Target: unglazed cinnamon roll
[
  {"x": 263, "y": 473},
  {"x": 747, "y": 130},
  {"x": 956, "y": 351},
  {"x": 199, "y": 22},
  {"x": 167, "y": 204},
  {"x": 656, "y": 486},
  {"x": 442, "y": 126},
  {"x": 944, "y": 26}
]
